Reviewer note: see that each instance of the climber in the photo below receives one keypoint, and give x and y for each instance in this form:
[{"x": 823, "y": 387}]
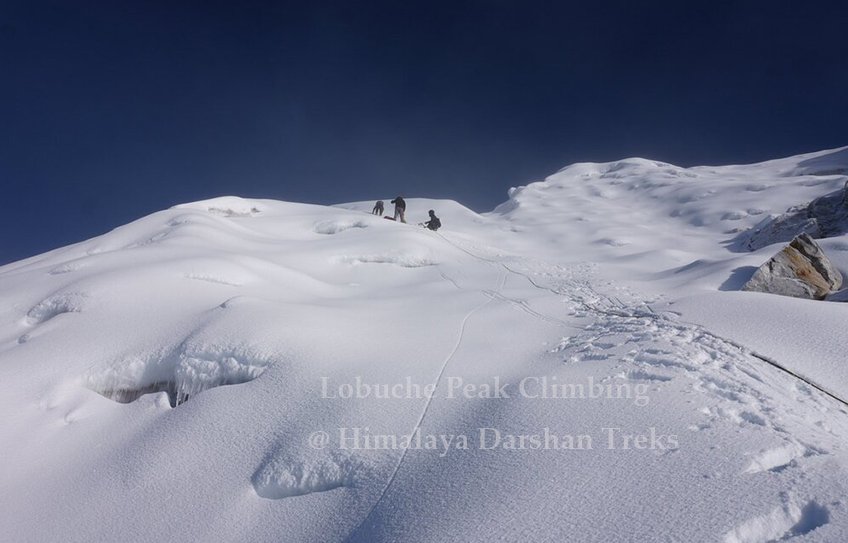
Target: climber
[
  {"x": 434, "y": 223},
  {"x": 400, "y": 208}
]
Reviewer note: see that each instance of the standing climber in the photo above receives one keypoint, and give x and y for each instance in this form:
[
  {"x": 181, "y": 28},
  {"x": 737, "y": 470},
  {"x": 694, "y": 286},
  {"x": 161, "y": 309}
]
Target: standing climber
[
  {"x": 434, "y": 223},
  {"x": 400, "y": 208},
  {"x": 378, "y": 208}
]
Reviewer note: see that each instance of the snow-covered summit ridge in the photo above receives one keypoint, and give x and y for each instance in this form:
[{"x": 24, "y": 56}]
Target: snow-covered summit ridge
[{"x": 725, "y": 199}]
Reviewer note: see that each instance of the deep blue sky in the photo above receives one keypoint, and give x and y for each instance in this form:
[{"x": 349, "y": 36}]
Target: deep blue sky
[{"x": 112, "y": 110}]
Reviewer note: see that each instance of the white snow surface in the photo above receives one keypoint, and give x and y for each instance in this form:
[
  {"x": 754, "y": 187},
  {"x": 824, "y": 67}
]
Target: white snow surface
[{"x": 166, "y": 380}]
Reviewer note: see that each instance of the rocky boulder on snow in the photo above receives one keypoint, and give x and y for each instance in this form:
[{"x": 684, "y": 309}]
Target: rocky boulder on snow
[{"x": 800, "y": 270}]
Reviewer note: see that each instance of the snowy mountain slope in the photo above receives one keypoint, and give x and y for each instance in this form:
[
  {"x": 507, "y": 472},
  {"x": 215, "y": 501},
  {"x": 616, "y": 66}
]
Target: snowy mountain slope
[
  {"x": 667, "y": 230},
  {"x": 171, "y": 376}
]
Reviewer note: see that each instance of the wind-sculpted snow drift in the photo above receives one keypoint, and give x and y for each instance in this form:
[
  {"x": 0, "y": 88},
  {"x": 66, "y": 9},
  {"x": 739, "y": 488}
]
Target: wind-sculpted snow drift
[
  {"x": 577, "y": 365},
  {"x": 182, "y": 374}
]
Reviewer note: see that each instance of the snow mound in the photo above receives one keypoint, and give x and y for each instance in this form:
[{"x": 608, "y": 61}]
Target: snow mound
[
  {"x": 281, "y": 478},
  {"x": 226, "y": 206},
  {"x": 55, "y": 305},
  {"x": 404, "y": 260},
  {"x": 182, "y": 374},
  {"x": 335, "y": 226},
  {"x": 783, "y": 522},
  {"x": 778, "y": 458}
]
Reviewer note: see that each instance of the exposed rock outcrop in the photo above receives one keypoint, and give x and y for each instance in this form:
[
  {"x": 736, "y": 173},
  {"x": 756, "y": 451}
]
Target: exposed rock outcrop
[
  {"x": 801, "y": 269},
  {"x": 824, "y": 217}
]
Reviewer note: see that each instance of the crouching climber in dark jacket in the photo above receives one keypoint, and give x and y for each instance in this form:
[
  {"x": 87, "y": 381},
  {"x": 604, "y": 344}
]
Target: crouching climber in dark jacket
[{"x": 434, "y": 223}]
